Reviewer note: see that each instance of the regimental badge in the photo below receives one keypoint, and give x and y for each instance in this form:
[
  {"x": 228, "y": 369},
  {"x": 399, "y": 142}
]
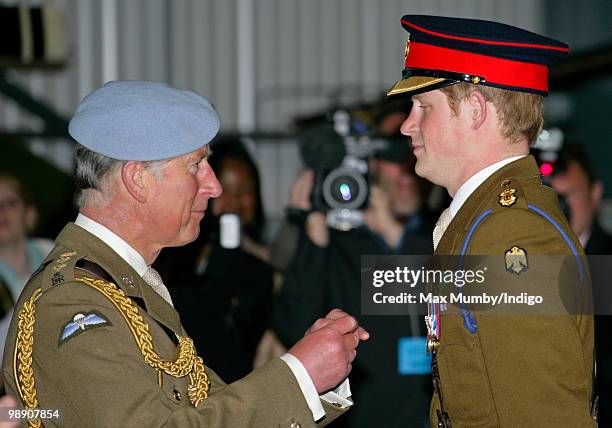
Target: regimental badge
[
  {"x": 57, "y": 279},
  {"x": 516, "y": 260},
  {"x": 81, "y": 323},
  {"x": 507, "y": 198},
  {"x": 407, "y": 48}
]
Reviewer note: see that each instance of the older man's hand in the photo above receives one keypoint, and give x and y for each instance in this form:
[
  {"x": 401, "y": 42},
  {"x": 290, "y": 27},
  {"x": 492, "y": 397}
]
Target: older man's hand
[{"x": 328, "y": 349}]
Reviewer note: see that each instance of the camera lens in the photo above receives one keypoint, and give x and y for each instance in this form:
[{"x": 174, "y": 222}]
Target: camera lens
[{"x": 345, "y": 188}]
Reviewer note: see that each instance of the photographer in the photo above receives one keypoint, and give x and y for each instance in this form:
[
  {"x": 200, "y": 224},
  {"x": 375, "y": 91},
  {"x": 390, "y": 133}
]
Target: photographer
[{"x": 325, "y": 272}]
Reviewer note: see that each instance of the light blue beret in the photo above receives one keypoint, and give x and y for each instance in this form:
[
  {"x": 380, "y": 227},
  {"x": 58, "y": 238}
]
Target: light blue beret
[{"x": 143, "y": 121}]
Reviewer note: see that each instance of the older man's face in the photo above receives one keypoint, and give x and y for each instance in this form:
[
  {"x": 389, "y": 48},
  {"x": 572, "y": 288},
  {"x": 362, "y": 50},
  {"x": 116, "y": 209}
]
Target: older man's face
[{"x": 180, "y": 198}]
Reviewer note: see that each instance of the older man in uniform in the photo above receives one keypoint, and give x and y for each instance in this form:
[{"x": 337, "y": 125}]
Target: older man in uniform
[
  {"x": 477, "y": 89},
  {"x": 96, "y": 341}
]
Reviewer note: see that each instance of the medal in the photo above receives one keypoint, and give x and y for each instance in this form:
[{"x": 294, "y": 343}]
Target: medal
[{"x": 432, "y": 321}]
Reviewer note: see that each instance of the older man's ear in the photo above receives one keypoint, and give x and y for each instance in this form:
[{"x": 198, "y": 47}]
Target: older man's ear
[{"x": 135, "y": 179}]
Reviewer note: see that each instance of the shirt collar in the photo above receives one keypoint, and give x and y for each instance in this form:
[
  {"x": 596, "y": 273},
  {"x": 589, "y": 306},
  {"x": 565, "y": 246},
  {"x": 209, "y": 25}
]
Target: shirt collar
[
  {"x": 122, "y": 248},
  {"x": 584, "y": 237},
  {"x": 476, "y": 180}
]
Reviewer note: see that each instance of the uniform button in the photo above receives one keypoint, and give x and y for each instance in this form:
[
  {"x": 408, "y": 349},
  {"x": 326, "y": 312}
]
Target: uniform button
[{"x": 177, "y": 395}]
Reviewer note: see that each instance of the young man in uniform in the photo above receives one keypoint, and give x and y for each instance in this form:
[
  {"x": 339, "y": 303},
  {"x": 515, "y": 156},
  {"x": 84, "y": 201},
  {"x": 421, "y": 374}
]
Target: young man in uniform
[
  {"x": 477, "y": 89},
  {"x": 95, "y": 340}
]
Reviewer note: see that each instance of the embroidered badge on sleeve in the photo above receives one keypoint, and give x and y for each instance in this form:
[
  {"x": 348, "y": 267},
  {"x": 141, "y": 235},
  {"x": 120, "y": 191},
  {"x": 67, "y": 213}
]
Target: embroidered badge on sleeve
[{"x": 81, "y": 323}]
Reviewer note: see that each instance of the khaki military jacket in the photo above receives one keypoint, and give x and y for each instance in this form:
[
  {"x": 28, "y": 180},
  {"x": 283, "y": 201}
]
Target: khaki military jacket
[
  {"x": 515, "y": 370},
  {"x": 86, "y": 354}
]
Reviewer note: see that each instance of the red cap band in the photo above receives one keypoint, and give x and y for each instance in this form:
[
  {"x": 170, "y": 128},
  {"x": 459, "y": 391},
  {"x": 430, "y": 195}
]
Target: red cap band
[{"x": 498, "y": 71}]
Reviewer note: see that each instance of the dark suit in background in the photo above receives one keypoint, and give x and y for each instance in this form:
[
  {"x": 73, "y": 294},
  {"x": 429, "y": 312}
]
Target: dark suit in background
[{"x": 225, "y": 306}]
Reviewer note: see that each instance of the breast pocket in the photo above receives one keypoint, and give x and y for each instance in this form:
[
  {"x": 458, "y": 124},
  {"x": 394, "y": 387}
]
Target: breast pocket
[{"x": 464, "y": 382}]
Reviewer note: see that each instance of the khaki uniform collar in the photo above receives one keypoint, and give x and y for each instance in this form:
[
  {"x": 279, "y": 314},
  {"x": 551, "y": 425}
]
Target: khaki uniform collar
[
  {"x": 486, "y": 196},
  {"x": 125, "y": 277}
]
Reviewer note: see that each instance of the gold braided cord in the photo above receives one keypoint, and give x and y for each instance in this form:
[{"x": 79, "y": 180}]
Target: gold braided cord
[
  {"x": 22, "y": 359},
  {"x": 198, "y": 383},
  {"x": 186, "y": 361}
]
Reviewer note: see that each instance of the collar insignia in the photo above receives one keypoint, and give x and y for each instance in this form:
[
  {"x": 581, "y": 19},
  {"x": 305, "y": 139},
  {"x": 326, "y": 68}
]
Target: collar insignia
[{"x": 507, "y": 197}]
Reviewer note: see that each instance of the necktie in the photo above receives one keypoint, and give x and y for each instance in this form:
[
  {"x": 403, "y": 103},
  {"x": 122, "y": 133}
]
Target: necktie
[
  {"x": 441, "y": 225},
  {"x": 152, "y": 277}
]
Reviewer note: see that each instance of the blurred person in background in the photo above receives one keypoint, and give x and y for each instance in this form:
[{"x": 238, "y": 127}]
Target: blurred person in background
[
  {"x": 20, "y": 255},
  {"x": 582, "y": 192},
  {"x": 224, "y": 295},
  {"x": 325, "y": 271}
]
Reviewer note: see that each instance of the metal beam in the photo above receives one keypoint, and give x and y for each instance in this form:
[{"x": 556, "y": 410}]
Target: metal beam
[{"x": 55, "y": 124}]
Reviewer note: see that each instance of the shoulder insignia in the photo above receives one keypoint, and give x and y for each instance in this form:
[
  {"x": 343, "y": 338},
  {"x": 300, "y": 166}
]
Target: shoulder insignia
[
  {"x": 61, "y": 261},
  {"x": 82, "y": 322},
  {"x": 507, "y": 197},
  {"x": 57, "y": 278},
  {"x": 516, "y": 260}
]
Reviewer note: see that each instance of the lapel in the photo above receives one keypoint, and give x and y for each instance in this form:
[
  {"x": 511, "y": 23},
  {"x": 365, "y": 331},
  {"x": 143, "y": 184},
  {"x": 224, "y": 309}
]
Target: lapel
[
  {"x": 124, "y": 276},
  {"x": 159, "y": 309},
  {"x": 485, "y": 196}
]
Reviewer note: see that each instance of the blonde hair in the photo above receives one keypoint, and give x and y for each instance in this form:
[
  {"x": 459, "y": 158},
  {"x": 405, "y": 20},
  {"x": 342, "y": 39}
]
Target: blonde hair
[{"x": 520, "y": 113}]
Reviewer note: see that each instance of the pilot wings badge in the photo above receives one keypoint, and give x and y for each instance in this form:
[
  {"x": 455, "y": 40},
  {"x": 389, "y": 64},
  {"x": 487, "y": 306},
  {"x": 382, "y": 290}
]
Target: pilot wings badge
[
  {"x": 516, "y": 260},
  {"x": 81, "y": 323}
]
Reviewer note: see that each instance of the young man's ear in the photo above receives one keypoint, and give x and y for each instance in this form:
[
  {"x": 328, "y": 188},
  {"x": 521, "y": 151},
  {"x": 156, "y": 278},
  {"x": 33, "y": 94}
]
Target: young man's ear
[
  {"x": 134, "y": 180},
  {"x": 478, "y": 109}
]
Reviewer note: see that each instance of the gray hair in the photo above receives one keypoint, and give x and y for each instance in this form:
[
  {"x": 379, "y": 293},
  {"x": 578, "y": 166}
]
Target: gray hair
[{"x": 92, "y": 169}]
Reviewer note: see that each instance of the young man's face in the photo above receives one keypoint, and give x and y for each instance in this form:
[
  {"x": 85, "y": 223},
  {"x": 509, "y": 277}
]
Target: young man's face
[{"x": 434, "y": 130}]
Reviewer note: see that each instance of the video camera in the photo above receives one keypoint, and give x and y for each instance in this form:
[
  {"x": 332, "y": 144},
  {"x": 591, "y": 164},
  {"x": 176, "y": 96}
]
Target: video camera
[{"x": 338, "y": 152}]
